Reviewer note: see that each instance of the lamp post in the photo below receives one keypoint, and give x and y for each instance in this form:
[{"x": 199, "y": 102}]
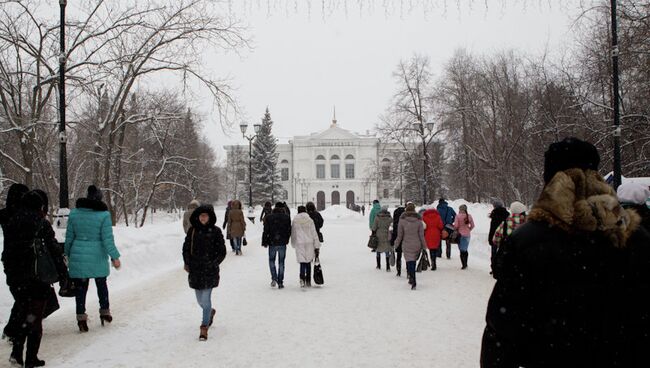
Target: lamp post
[
  {"x": 617, "y": 118},
  {"x": 63, "y": 159},
  {"x": 250, "y": 138},
  {"x": 424, "y": 133}
]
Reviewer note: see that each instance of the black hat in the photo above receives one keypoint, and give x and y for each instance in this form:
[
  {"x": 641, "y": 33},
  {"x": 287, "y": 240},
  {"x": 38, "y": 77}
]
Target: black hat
[
  {"x": 94, "y": 193},
  {"x": 568, "y": 154},
  {"x": 32, "y": 201},
  {"x": 15, "y": 193},
  {"x": 279, "y": 205}
]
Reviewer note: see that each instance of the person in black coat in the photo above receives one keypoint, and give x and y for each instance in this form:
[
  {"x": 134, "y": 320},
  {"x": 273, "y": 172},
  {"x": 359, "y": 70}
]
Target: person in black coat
[
  {"x": 26, "y": 229},
  {"x": 225, "y": 223},
  {"x": 318, "y": 223},
  {"x": 498, "y": 215},
  {"x": 203, "y": 252},
  {"x": 276, "y": 234},
  {"x": 14, "y": 195},
  {"x": 398, "y": 249},
  {"x": 266, "y": 211},
  {"x": 572, "y": 282}
]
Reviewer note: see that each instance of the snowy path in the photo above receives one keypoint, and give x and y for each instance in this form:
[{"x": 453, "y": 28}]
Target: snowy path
[{"x": 360, "y": 318}]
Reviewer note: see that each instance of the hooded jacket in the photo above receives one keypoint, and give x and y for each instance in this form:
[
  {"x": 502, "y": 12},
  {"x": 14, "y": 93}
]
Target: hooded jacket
[
  {"x": 381, "y": 226},
  {"x": 396, "y": 216},
  {"x": 433, "y": 231},
  {"x": 497, "y": 217},
  {"x": 236, "y": 220},
  {"x": 304, "y": 237},
  {"x": 410, "y": 233},
  {"x": 447, "y": 214},
  {"x": 376, "y": 207},
  {"x": 572, "y": 282},
  {"x": 89, "y": 240},
  {"x": 277, "y": 228},
  {"x": 203, "y": 250}
]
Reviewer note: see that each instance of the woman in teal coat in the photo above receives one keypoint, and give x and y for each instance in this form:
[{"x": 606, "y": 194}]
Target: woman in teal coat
[{"x": 88, "y": 245}]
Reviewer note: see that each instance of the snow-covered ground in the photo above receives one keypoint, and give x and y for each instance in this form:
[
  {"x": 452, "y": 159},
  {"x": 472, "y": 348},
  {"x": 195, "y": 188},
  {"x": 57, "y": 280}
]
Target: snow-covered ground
[{"x": 361, "y": 317}]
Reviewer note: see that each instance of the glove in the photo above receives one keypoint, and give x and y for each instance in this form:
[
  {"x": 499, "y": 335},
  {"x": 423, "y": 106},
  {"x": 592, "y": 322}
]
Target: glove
[{"x": 186, "y": 268}]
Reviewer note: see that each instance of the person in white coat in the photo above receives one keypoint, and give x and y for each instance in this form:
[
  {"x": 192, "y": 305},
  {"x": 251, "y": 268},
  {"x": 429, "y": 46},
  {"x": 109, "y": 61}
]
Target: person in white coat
[{"x": 304, "y": 239}]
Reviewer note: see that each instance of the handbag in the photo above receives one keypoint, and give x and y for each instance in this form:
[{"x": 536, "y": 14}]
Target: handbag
[
  {"x": 318, "y": 272},
  {"x": 44, "y": 267},
  {"x": 423, "y": 263},
  {"x": 51, "y": 303},
  {"x": 391, "y": 259},
  {"x": 373, "y": 241},
  {"x": 68, "y": 288},
  {"x": 244, "y": 242},
  {"x": 320, "y": 237}
]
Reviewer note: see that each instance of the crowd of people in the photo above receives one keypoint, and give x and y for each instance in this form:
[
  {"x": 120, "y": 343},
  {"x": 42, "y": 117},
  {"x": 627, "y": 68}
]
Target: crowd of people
[{"x": 572, "y": 273}]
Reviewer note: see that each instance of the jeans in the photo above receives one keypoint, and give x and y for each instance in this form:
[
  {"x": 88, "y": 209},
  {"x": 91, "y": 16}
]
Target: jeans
[
  {"x": 463, "y": 245},
  {"x": 305, "y": 270},
  {"x": 410, "y": 269},
  {"x": 82, "y": 290},
  {"x": 204, "y": 298},
  {"x": 236, "y": 243},
  {"x": 281, "y": 251}
]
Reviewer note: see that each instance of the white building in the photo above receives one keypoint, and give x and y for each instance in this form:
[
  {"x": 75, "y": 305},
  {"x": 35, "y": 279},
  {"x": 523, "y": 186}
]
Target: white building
[{"x": 333, "y": 167}]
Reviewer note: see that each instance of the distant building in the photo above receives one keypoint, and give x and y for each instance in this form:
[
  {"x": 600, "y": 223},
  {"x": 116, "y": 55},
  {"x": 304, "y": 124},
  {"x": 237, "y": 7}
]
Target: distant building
[{"x": 335, "y": 167}]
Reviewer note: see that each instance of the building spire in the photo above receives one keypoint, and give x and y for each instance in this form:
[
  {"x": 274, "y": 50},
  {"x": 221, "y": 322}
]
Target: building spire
[{"x": 334, "y": 118}]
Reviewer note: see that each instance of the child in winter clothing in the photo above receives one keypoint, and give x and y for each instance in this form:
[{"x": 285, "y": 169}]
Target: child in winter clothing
[
  {"x": 203, "y": 252},
  {"x": 516, "y": 219},
  {"x": 304, "y": 239}
]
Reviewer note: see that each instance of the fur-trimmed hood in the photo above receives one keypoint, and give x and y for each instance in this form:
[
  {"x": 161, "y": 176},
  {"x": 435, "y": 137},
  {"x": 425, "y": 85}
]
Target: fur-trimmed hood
[
  {"x": 411, "y": 216},
  {"x": 577, "y": 200},
  {"x": 91, "y": 204}
]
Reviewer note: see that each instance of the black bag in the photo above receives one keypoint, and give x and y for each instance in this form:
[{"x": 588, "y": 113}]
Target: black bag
[
  {"x": 51, "y": 304},
  {"x": 320, "y": 237},
  {"x": 373, "y": 241},
  {"x": 453, "y": 236},
  {"x": 44, "y": 267},
  {"x": 318, "y": 272},
  {"x": 423, "y": 263},
  {"x": 244, "y": 242},
  {"x": 68, "y": 288}
]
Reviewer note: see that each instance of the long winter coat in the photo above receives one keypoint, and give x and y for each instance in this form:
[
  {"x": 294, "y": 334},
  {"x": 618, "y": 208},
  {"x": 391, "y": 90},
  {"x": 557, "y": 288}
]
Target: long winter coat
[
  {"x": 572, "y": 283},
  {"x": 410, "y": 233},
  {"x": 318, "y": 220},
  {"x": 277, "y": 228},
  {"x": 497, "y": 217},
  {"x": 304, "y": 237},
  {"x": 396, "y": 216},
  {"x": 18, "y": 255},
  {"x": 447, "y": 214},
  {"x": 376, "y": 207},
  {"x": 464, "y": 228},
  {"x": 236, "y": 223},
  {"x": 203, "y": 250},
  {"x": 380, "y": 226},
  {"x": 433, "y": 231},
  {"x": 194, "y": 204},
  {"x": 89, "y": 240}
]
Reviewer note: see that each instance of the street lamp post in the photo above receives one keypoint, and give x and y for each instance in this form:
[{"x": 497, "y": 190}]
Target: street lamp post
[
  {"x": 617, "y": 117},
  {"x": 250, "y": 138},
  {"x": 63, "y": 157},
  {"x": 419, "y": 127}
]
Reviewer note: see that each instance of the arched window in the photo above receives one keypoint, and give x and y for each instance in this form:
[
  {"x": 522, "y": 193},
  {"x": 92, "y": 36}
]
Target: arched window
[
  {"x": 335, "y": 167},
  {"x": 386, "y": 193},
  {"x": 334, "y": 157},
  {"x": 320, "y": 167},
  {"x": 284, "y": 162},
  {"x": 349, "y": 167},
  {"x": 385, "y": 169},
  {"x": 284, "y": 170}
]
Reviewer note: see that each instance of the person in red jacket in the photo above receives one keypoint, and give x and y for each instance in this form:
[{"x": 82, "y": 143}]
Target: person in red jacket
[{"x": 432, "y": 232}]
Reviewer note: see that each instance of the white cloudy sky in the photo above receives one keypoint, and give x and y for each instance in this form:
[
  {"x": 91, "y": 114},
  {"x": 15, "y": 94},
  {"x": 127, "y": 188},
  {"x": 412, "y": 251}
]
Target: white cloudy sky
[{"x": 303, "y": 62}]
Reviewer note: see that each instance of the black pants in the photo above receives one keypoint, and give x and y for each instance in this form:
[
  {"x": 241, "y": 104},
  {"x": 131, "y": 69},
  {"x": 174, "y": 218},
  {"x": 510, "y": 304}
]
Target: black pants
[
  {"x": 30, "y": 306},
  {"x": 82, "y": 290}
]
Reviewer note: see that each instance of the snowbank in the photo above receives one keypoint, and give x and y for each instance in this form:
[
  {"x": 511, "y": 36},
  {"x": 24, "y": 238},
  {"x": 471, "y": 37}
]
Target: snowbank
[{"x": 339, "y": 212}]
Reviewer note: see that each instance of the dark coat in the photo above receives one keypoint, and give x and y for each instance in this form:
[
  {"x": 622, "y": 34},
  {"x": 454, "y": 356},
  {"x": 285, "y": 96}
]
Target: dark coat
[
  {"x": 568, "y": 296},
  {"x": 18, "y": 256},
  {"x": 265, "y": 212},
  {"x": 203, "y": 250},
  {"x": 396, "y": 216},
  {"x": 497, "y": 217},
  {"x": 318, "y": 222},
  {"x": 277, "y": 228},
  {"x": 447, "y": 214}
]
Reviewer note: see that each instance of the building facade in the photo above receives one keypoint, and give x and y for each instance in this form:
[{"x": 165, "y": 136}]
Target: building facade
[{"x": 335, "y": 167}]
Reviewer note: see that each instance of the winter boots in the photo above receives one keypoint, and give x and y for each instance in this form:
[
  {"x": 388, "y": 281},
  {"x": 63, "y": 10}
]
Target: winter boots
[
  {"x": 448, "y": 250},
  {"x": 82, "y": 322},
  {"x": 463, "y": 259},
  {"x": 203, "y": 334},
  {"x": 398, "y": 266},
  {"x": 378, "y": 261},
  {"x": 433, "y": 263},
  {"x": 33, "y": 345},
  {"x": 212, "y": 313},
  {"x": 411, "y": 278},
  {"x": 302, "y": 282},
  {"x": 105, "y": 316},
  {"x": 16, "y": 357},
  {"x": 387, "y": 263}
]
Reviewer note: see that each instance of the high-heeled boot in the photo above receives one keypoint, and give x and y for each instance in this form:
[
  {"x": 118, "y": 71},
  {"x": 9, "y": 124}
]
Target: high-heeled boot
[
  {"x": 82, "y": 322},
  {"x": 105, "y": 316}
]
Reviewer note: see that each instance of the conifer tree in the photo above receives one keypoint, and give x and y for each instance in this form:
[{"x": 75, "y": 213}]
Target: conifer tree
[{"x": 266, "y": 179}]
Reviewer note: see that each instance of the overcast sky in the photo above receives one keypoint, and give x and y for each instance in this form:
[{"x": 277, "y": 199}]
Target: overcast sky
[{"x": 304, "y": 62}]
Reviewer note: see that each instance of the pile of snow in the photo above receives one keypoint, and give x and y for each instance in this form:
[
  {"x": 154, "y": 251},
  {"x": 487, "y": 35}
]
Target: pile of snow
[{"x": 338, "y": 212}]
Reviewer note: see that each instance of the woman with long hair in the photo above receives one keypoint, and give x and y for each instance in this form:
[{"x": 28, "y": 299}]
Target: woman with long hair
[
  {"x": 236, "y": 225},
  {"x": 464, "y": 223}
]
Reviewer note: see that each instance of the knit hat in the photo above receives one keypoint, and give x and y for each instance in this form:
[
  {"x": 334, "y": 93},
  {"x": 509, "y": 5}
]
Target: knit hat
[
  {"x": 517, "y": 207},
  {"x": 633, "y": 193},
  {"x": 497, "y": 204},
  {"x": 94, "y": 193},
  {"x": 410, "y": 207},
  {"x": 567, "y": 154},
  {"x": 384, "y": 208}
]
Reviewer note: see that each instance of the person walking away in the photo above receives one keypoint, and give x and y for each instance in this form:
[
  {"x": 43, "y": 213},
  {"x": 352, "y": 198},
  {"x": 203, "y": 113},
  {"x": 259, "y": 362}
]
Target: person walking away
[
  {"x": 287, "y": 209},
  {"x": 276, "y": 234},
  {"x": 266, "y": 211},
  {"x": 498, "y": 215},
  {"x": 410, "y": 234},
  {"x": 398, "y": 247},
  {"x": 88, "y": 245},
  {"x": 572, "y": 281},
  {"x": 14, "y": 196},
  {"x": 464, "y": 223},
  {"x": 203, "y": 252},
  {"x": 381, "y": 227},
  {"x": 432, "y": 233},
  {"x": 515, "y": 220},
  {"x": 26, "y": 228},
  {"x": 236, "y": 225},
  {"x": 304, "y": 239},
  {"x": 194, "y": 204},
  {"x": 635, "y": 195},
  {"x": 448, "y": 215},
  {"x": 363, "y": 210},
  {"x": 225, "y": 225},
  {"x": 318, "y": 224},
  {"x": 376, "y": 207}
]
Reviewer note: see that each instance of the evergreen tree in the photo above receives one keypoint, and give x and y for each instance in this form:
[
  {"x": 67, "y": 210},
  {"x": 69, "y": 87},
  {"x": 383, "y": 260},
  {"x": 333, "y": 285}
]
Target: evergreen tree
[{"x": 266, "y": 178}]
